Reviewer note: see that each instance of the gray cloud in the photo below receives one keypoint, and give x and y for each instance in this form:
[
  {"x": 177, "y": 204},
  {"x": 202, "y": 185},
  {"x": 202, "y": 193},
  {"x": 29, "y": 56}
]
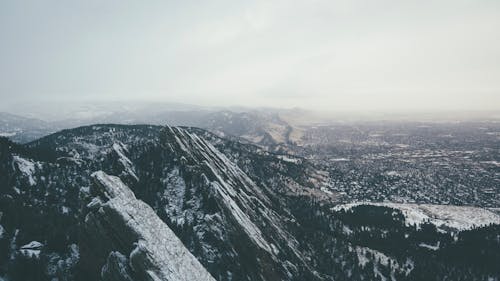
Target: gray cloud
[{"x": 338, "y": 55}]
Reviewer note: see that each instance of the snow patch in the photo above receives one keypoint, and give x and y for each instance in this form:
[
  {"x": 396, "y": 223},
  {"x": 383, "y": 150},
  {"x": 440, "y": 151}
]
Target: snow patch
[
  {"x": 339, "y": 159},
  {"x": 442, "y": 216},
  {"x": 430, "y": 247},
  {"x": 289, "y": 159},
  {"x": 392, "y": 174}
]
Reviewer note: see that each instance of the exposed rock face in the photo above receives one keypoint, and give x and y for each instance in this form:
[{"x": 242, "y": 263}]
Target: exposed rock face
[
  {"x": 243, "y": 225},
  {"x": 119, "y": 225}
]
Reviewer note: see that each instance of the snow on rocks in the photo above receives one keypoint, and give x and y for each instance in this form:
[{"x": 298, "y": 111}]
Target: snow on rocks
[
  {"x": 26, "y": 167},
  {"x": 442, "y": 216},
  {"x": 111, "y": 186},
  {"x": 248, "y": 226},
  {"x": 32, "y": 249},
  {"x": 430, "y": 247},
  {"x": 242, "y": 204},
  {"x": 229, "y": 182},
  {"x": 157, "y": 252},
  {"x": 120, "y": 149}
]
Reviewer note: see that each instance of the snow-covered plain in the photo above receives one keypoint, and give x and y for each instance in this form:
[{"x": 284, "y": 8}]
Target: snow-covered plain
[{"x": 442, "y": 216}]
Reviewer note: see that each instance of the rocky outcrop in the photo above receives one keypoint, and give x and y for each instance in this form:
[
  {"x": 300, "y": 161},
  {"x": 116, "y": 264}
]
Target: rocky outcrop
[
  {"x": 251, "y": 231},
  {"x": 123, "y": 238}
]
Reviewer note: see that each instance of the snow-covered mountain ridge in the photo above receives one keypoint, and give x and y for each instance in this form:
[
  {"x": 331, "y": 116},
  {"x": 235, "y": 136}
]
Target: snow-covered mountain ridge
[{"x": 242, "y": 212}]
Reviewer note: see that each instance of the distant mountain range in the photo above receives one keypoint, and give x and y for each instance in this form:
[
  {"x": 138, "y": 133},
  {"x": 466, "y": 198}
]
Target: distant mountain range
[
  {"x": 267, "y": 129},
  {"x": 22, "y": 129}
]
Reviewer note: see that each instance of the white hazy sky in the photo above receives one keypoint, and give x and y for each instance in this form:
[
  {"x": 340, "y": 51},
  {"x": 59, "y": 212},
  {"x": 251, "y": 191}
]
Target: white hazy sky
[{"x": 344, "y": 55}]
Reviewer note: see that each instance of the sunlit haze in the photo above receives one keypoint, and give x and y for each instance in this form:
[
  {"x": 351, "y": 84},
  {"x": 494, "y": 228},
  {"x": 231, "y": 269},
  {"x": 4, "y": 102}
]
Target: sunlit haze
[{"x": 328, "y": 55}]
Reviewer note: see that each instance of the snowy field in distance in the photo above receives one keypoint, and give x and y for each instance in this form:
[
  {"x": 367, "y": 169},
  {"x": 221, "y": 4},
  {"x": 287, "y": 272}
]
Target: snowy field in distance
[{"x": 443, "y": 216}]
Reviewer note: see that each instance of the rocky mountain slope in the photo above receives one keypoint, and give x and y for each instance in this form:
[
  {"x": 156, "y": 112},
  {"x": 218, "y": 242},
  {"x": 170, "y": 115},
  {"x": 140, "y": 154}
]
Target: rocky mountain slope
[
  {"x": 221, "y": 215},
  {"x": 119, "y": 223},
  {"x": 117, "y": 202}
]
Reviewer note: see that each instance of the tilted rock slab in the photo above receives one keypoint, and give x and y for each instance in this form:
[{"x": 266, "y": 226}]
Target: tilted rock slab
[{"x": 119, "y": 225}]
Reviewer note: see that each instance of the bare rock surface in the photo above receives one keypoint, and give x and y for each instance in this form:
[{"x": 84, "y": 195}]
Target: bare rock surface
[{"x": 121, "y": 225}]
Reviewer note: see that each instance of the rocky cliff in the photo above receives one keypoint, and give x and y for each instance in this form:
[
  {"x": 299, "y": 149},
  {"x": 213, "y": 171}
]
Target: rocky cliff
[{"x": 128, "y": 241}]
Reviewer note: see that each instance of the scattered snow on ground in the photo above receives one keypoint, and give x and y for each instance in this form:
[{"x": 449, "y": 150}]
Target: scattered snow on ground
[
  {"x": 346, "y": 230},
  {"x": 378, "y": 256},
  {"x": 443, "y": 216},
  {"x": 366, "y": 255}
]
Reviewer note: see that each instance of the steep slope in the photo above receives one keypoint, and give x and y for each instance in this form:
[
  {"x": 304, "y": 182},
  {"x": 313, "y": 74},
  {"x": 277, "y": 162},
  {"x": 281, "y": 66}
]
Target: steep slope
[
  {"x": 242, "y": 232},
  {"x": 232, "y": 225},
  {"x": 118, "y": 224}
]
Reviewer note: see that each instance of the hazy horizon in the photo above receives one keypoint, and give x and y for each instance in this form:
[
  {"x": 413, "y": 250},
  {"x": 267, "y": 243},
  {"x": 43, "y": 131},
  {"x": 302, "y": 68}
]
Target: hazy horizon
[
  {"x": 98, "y": 111},
  {"x": 328, "y": 56}
]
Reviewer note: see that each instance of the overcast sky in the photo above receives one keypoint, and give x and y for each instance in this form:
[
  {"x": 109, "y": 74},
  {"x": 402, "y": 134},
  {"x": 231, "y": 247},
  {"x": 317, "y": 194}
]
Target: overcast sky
[{"x": 348, "y": 55}]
